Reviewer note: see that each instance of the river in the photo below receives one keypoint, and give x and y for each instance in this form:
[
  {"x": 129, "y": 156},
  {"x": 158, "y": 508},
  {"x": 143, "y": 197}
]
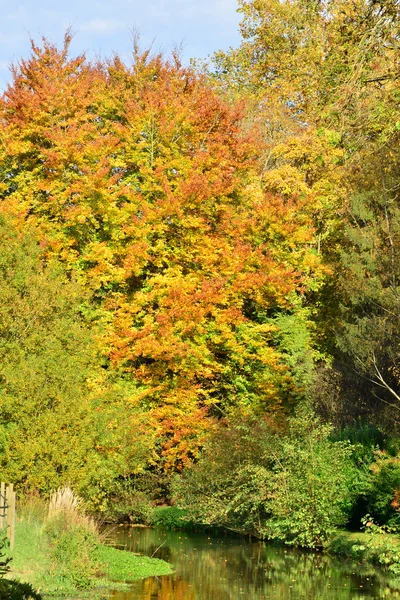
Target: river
[{"x": 218, "y": 567}]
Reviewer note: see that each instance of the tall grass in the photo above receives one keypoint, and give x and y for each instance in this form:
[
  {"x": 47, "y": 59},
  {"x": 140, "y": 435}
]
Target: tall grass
[
  {"x": 63, "y": 501},
  {"x": 56, "y": 543},
  {"x": 74, "y": 539}
]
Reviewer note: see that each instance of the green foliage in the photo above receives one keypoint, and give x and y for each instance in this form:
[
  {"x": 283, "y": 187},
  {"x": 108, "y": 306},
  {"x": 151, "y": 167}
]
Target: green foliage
[
  {"x": 4, "y": 561},
  {"x": 170, "y": 517},
  {"x": 366, "y": 435},
  {"x": 377, "y": 547},
  {"x": 294, "y": 341},
  {"x": 62, "y": 419},
  {"x": 74, "y": 551},
  {"x": 45, "y": 354},
  {"x": 227, "y": 487},
  {"x": 368, "y": 329},
  {"x": 132, "y": 506},
  {"x": 383, "y": 495},
  {"x": 311, "y": 494},
  {"x": 15, "y": 590},
  {"x": 295, "y": 487}
]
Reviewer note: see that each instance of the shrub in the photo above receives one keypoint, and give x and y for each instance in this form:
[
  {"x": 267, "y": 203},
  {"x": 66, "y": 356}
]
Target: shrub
[
  {"x": 310, "y": 494},
  {"x": 227, "y": 486},
  {"x": 383, "y": 495},
  {"x": 170, "y": 517},
  {"x": 14, "y": 590},
  {"x": 132, "y": 507},
  {"x": 296, "y": 488},
  {"x": 376, "y": 546}
]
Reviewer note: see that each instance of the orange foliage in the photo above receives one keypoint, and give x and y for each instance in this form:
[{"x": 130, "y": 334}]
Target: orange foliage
[{"x": 141, "y": 179}]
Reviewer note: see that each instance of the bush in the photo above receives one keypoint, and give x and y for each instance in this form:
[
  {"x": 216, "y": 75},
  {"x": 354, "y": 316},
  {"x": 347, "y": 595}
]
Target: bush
[
  {"x": 14, "y": 590},
  {"x": 376, "y": 547},
  {"x": 297, "y": 488},
  {"x": 310, "y": 494},
  {"x": 170, "y": 517},
  {"x": 364, "y": 437},
  {"x": 383, "y": 495},
  {"x": 227, "y": 487},
  {"x": 131, "y": 507}
]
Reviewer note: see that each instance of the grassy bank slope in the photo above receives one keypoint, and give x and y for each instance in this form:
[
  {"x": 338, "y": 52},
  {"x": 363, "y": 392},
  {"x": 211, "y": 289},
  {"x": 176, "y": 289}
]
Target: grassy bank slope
[
  {"x": 59, "y": 552},
  {"x": 34, "y": 562}
]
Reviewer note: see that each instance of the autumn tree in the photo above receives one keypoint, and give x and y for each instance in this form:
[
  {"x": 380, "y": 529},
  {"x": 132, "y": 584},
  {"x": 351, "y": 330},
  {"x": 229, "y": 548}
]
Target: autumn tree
[
  {"x": 144, "y": 183},
  {"x": 323, "y": 80}
]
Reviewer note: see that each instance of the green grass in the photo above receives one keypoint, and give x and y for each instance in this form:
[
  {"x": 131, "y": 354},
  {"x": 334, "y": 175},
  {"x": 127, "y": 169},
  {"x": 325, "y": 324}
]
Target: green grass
[
  {"x": 33, "y": 563},
  {"x": 125, "y": 566}
]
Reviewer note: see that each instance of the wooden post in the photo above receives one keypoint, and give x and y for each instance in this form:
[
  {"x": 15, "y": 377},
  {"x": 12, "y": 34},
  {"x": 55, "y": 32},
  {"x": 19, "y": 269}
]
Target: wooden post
[
  {"x": 9, "y": 495},
  {"x": 12, "y": 521},
  {"x": 7, "y": 512},
  {"x": 2, "y": 503}
]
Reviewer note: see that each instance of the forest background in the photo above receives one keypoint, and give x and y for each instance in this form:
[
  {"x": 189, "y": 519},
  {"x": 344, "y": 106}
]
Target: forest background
[{"x": 200, "y": 275}]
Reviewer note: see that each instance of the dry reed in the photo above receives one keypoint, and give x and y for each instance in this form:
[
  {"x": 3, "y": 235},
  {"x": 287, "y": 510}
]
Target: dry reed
[{"x": 65, "y": 505}]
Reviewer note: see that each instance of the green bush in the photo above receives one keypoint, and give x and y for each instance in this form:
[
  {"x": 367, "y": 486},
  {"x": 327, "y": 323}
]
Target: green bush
[
  {"x": 14, "y": 590},
  {"x": 366, "y": 434},
  {"x": 365, "y": 438},
  {"x": 227, "y": 486},
  {"x": 310, "y": 494},
  {"x": 131, "y": 507},
  {"x": 296, "y": 487},
  {"x": 383, "y": 495},
  {"x": 170, "y": 517}
]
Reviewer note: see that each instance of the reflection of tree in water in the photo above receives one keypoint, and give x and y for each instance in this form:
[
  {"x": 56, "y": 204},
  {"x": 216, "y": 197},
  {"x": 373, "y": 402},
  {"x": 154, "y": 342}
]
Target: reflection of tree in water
[
  {"x": 168, "y": 588},
  {"x": 160, "y": 588},
  {"x": 222, "y": 568}
]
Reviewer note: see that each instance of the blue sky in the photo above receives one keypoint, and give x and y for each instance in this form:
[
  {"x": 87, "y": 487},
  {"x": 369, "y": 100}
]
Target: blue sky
[{"x": 102, "y": 27}]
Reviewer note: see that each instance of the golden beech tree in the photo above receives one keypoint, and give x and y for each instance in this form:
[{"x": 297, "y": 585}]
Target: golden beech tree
[
  {"x": 323, "y": 80},
  {"x": 145, "y": 183}
]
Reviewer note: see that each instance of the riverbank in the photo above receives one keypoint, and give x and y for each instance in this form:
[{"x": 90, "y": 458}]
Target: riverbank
[
  {"x": 65, "y": 556},
  {"x": 34, "y": 563},
  {"x": 379, "y": 549}
]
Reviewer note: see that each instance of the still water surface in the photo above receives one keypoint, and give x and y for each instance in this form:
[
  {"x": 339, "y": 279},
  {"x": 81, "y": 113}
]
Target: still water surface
[{"x": 214, "y": 567}]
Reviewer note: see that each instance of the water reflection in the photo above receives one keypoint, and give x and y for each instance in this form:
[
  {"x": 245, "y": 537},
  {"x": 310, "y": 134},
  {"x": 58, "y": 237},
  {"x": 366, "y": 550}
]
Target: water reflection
[{"x": 210, "y": 567}]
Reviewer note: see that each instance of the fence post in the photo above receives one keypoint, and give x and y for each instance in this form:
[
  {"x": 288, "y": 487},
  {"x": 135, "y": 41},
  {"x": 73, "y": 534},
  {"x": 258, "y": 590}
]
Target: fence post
[
  {"x": 2, "y": 505},
  {"x": 12, "y": 521},
  {"x": 9, "y": 492},
  {"x": 7, "y": 511}
]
